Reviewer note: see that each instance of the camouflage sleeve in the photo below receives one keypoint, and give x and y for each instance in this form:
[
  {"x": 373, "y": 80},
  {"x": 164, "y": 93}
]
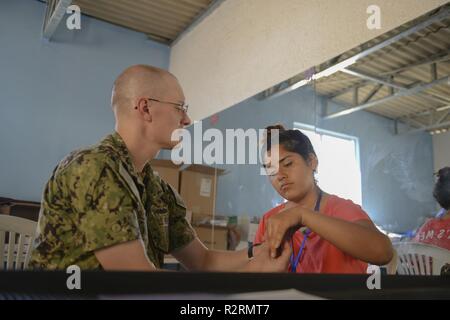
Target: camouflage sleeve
[
  {"x": 180, "y": 231},
  {"x": 106, "y": 215}
]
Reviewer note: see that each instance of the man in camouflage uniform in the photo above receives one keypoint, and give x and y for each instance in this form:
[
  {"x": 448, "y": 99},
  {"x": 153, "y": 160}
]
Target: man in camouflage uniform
[{"x": 104, "y": 207}]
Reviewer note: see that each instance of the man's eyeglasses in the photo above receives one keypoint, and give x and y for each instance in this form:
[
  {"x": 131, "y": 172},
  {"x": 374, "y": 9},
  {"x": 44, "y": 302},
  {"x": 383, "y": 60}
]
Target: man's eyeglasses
[{"x": 180, "y": 106}]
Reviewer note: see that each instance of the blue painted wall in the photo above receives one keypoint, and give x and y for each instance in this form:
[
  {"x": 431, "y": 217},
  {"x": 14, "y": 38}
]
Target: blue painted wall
[
  {"x": 55, "y": 96},
  {"x": 396, "y": 170}
]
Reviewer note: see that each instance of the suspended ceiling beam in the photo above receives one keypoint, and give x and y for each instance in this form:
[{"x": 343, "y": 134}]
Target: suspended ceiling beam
[
  {"x": 441, "y": 56},
  {"x": 372, "y": 93},
  {"x": 444, "y": 125},
  {"x": 424, "y": 113},
  {"x": 56, "y": 10},
  {"x": 391, "y": 84},
  {"x": 413, "y": 90}
]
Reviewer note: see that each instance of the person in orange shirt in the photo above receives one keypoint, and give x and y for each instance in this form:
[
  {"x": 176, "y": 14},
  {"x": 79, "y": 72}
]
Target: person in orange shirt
[
  {"x": 327, "y": 234},
  {"x": 436, "y": 231}
]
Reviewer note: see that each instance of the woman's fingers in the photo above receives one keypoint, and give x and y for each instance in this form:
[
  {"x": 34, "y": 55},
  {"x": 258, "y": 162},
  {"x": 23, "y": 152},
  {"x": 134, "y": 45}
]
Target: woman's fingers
[
  {"x": 283, "y": 260},
  {"x": 286, "y": 253},
  {"x": 275, "y": 244},
  {"x": 278, "y": 227},
  {"x": 269, "y": 236},
  {"x": 275, "y": 234},
  {"x": 287, "y": 249}
]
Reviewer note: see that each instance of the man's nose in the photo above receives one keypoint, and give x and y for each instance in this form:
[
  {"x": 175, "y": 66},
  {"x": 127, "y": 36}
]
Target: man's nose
[{"x": 186, "y": 120}]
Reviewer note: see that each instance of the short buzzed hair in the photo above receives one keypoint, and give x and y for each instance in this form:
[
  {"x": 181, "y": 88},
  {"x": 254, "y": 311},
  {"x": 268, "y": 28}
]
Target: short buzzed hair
[{"x": 138, "y": 80}]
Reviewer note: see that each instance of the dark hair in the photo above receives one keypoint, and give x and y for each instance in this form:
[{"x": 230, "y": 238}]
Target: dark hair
[
  {"x": 442, "y": 188},
  {"x": 292, "y": 140}
]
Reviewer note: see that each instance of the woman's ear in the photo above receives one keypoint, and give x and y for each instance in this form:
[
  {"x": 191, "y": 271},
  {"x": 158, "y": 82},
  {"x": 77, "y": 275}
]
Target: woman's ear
[{"x": 313, "y": 162}]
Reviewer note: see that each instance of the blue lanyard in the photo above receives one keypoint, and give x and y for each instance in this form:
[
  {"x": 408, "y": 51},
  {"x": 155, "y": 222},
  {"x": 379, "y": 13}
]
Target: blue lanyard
[
  {"x": 294, "y": 263},
  {"x": 441, "y": 213}
]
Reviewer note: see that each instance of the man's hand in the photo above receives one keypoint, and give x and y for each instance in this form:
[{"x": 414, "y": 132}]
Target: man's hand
[
  {"x": 263, "y": 262},
  {"x": 281, "y": 226}
]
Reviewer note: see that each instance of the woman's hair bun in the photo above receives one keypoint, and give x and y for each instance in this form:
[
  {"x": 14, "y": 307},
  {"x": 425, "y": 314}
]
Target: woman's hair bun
[{"x": 277, "y": 126}]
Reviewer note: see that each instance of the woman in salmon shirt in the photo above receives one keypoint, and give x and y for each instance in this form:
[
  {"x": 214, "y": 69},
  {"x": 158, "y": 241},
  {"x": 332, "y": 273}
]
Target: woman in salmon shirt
[
  {"x": 327, "y": 234},
  {"x": 436, "y": 231}
]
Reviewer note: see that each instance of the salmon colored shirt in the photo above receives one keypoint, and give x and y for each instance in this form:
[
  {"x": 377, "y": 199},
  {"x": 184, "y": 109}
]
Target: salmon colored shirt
[
  {"x": 319, "y": 255},
  {"x": 435, "y": 232}
]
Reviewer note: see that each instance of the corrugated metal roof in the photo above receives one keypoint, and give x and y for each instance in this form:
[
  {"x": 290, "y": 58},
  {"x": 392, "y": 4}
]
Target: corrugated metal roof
[
  {"x": 161, "y": 20},
  {"x": 409, "y": 62},
  {"x": 414, "y": 60}
]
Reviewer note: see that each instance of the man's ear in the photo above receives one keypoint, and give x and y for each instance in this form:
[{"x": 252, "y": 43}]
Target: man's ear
[{"x": 143, "y": 107}]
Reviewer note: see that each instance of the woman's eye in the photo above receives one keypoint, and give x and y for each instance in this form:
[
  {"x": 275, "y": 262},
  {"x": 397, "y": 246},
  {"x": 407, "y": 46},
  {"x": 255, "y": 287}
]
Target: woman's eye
[
  {"x": 270, "y": 171},
  {"x": 287, "y": 164}
]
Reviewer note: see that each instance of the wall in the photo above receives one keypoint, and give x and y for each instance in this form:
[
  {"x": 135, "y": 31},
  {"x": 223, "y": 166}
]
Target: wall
[
  {"x": 396, "y": 170},
  {"x": 55, "y": 96},
  {"x": 245, "y": 47},
  {"x": 441, "y": 148}
]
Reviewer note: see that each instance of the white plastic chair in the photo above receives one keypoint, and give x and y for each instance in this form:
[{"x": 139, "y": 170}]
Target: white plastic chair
[
  {"x": 15, "y": 254},
  {"x": 420, "y": 259},
  {"x": 391, "y": 267}
]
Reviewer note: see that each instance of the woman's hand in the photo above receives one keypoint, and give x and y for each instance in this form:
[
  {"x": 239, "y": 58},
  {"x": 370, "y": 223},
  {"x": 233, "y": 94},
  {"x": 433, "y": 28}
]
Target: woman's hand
[
  {"x": 359, "y": 239},
  {"x": 281, "y": 226}
]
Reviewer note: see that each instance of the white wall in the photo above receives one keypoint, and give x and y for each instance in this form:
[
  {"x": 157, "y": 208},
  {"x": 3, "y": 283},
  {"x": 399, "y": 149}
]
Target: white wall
[
  {"x": 246, "y": 46},
  {"x": 441, "y": 150}
]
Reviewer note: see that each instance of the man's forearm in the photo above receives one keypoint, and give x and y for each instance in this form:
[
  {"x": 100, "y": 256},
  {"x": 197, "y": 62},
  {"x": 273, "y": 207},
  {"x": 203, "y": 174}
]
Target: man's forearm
[{"x": 217, "y": 260}]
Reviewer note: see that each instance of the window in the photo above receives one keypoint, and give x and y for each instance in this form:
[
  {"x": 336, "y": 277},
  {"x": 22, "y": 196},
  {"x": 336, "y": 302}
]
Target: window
[{"x": 339, "y": 171}]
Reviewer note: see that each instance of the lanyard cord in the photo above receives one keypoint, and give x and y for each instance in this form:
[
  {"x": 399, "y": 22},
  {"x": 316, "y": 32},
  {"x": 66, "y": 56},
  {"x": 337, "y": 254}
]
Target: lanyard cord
[
  {"x": 441, "y": 213},
  {"x": 294, "y": 263}
]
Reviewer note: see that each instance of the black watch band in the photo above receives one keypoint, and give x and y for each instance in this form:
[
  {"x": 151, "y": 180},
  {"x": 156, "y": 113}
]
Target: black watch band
[{"x": 250, "y": 249}]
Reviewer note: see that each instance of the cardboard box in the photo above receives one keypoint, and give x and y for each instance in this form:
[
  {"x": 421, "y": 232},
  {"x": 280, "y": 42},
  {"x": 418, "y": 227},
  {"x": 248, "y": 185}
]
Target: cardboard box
[
  {"x": 168, "y": 171},
  {"x": 198, "y": 189},
  {"x": 189, "y": 216},
  {"x": 220, "y": 240}
]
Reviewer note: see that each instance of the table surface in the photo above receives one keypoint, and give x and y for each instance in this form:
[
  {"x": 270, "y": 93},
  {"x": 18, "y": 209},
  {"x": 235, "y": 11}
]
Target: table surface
[{"x": 98, "y": 283}]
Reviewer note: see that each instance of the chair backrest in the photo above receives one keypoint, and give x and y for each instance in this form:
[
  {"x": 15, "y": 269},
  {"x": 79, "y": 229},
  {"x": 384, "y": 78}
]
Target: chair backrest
[
  {"x": 420, "y": 259},
  {"x": 391, "y": 267},
  {"x": 16, "y": 239}
]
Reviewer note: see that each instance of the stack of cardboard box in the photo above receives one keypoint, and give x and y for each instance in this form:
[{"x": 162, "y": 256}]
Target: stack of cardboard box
[{"x": 197, "y": 186}]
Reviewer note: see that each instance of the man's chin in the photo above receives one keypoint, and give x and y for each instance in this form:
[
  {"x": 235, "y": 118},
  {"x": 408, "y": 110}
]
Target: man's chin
[{"x": 172, "y": 145}]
